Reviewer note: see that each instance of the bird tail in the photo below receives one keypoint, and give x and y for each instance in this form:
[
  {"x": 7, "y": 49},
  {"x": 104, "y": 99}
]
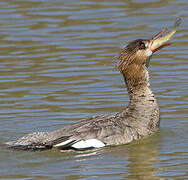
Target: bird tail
[{"x": 34, "y": 141}]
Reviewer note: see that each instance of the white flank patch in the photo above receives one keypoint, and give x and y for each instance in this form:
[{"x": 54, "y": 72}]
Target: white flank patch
[
  {"x": 89, "y": 143},
  {"x": 63, "y": 143}
]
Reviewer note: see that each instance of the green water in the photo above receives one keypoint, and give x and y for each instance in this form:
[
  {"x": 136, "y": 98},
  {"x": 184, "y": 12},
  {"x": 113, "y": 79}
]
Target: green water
[{"x": 57, "y": 66}]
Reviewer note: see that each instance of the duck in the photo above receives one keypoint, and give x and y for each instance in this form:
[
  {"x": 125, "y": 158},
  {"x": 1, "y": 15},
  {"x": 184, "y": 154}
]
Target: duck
[{"x": 140, "y": 118}]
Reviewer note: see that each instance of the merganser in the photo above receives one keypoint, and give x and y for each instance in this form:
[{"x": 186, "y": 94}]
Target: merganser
[{"x": 139, "y": 119}]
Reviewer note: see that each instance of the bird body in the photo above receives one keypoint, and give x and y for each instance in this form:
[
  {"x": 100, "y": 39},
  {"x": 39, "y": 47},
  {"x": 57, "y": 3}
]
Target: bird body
[
  {"x": 130, "y": 124},
  {"x": 140, "y": 118}
]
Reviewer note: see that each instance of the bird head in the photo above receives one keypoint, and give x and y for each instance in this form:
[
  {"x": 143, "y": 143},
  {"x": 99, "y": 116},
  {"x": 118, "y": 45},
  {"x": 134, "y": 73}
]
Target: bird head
[
  {"x": 139, "y": 52},
  {"x": 134, "y": 59}
]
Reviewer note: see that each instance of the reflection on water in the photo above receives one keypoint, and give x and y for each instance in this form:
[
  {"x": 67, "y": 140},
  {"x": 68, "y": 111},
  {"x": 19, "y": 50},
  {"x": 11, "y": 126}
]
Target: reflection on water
[
  {"x": 142, "y": 157},
  {"x": 57, "y": 63}
]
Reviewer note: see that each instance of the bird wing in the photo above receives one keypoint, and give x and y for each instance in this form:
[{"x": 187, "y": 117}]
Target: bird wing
[
  {"x": 90, "y": 133},
  {"x": 94, "y": 132}
]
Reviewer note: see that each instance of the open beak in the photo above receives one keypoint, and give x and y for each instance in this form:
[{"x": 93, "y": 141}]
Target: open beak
[{"x": 157, "y": 43}]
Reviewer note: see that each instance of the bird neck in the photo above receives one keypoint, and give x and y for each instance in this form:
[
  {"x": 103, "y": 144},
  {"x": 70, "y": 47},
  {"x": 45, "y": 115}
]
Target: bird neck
[
  {"x": 141, "y": 96},
  {"x": 137, "y": 80},
  {"x": 143, "y": 107},
  {"x": 138, "y": 86}
]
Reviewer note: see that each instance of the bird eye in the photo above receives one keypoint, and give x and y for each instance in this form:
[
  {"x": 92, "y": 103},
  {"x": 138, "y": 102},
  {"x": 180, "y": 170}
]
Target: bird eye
[{"x": 142, "y": 45}]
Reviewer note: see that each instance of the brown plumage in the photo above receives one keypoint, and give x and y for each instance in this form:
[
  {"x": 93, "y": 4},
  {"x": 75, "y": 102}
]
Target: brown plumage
[{"x": 138, "y": 119}]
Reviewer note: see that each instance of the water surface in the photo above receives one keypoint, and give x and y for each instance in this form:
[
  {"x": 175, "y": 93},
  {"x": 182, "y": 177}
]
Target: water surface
[{"x": 57, "y": 66}]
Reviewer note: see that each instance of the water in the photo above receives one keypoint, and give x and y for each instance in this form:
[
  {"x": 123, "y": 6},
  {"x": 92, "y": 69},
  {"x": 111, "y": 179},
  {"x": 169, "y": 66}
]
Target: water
[{"x": 57, "y": 66}]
